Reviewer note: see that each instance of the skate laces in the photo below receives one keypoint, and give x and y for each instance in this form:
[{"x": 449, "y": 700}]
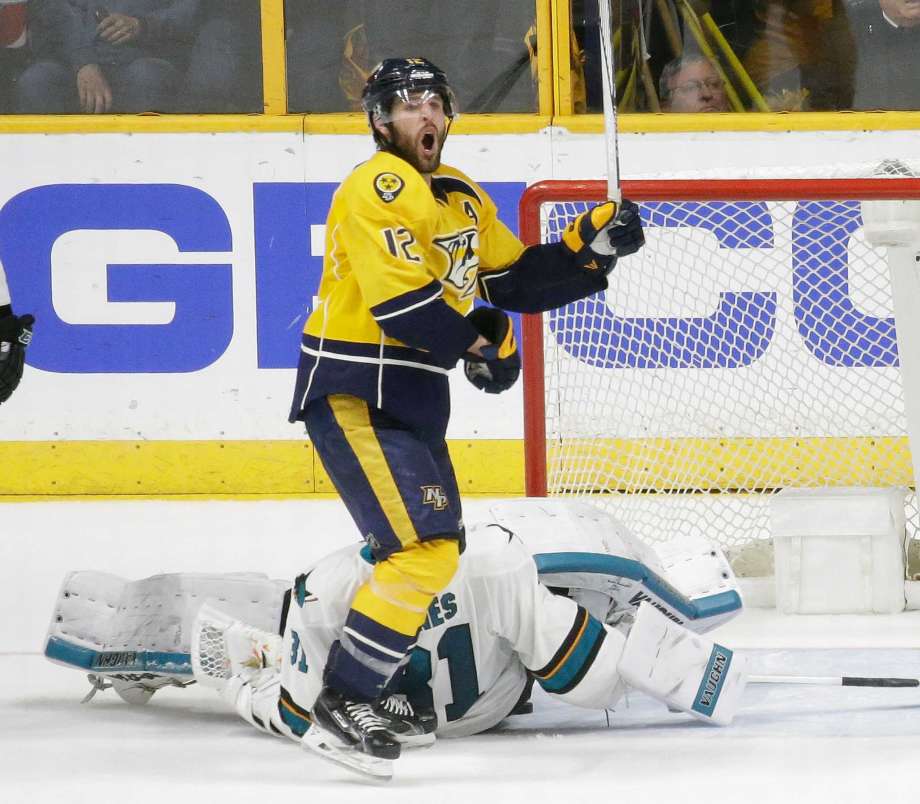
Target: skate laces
[
  {"x": 398, "y": 705},
  {"x": 99, "y": 683},
  {"x": 364, "y": 715}
]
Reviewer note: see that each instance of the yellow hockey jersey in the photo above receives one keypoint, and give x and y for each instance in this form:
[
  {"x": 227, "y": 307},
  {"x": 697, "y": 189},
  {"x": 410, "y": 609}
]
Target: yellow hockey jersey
[{"x": 403, "y": 264}]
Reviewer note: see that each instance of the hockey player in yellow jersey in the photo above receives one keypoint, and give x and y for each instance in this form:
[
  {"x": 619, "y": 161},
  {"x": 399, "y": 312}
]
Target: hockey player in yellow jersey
[{"x": 410, "y": 244}]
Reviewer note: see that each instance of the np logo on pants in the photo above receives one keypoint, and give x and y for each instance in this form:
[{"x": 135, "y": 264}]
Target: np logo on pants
[{"x": 434, "y": 495}]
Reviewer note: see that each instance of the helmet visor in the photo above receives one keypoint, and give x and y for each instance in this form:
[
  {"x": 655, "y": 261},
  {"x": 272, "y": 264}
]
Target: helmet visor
[{"x": 415, "y": 100}]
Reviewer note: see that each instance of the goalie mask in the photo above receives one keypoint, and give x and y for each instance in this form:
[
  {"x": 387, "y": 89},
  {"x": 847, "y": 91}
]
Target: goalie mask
[{"x": 410, "y": 80}]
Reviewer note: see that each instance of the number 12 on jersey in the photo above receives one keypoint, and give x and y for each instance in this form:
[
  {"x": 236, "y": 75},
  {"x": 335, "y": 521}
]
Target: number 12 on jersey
[{"x": 398, "y": 243}]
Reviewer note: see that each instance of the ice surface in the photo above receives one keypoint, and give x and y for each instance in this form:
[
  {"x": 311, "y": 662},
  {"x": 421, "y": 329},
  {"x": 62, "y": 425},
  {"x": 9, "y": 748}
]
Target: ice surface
[{"x": 789, "y": 744}]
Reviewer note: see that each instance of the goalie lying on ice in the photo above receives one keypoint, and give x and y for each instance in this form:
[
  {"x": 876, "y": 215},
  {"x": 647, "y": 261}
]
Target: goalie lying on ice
[{"x": 585, "y": 628}]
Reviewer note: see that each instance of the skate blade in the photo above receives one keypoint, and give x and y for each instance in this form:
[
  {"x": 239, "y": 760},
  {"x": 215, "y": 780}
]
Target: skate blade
[
  {"x": 417, "y": 741},
  {"x": 321, "y": 743}
]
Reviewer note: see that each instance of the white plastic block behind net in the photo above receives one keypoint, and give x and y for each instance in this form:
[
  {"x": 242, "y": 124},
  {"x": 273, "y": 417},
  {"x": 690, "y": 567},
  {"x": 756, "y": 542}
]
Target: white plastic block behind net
[{"x": 749, "y": 347}]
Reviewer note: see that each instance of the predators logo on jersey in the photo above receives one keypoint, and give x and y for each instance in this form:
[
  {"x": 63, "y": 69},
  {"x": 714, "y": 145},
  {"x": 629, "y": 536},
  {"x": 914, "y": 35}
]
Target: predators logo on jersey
[
  {"x": 434, "y": 495},
  {"x": 462, "y": 260},
  {"x": 388, "y": 186}
]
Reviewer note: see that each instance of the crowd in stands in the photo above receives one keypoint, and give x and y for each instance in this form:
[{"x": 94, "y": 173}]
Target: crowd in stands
[
  {"x": 124, "y": 56},
  {"x": 871, "y": 58},
  {"x": 14, "y": 50},
  {"x": 771, "y": 55},
  {"x": 204, "y": 56}
]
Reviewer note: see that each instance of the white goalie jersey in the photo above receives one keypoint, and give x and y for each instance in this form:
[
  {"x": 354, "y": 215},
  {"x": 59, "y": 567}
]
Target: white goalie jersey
[
  {"x": 493, "y": 630},
  {"x": 490, "y": 626}
]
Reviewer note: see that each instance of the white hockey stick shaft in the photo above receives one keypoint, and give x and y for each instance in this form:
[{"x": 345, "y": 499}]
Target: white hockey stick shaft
[
  {"x": 836, "y": 681},
  {"x": 608, "y": 75}
]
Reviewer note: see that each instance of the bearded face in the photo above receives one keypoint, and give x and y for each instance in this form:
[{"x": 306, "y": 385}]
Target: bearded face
[{"x": 416, "y": 130}]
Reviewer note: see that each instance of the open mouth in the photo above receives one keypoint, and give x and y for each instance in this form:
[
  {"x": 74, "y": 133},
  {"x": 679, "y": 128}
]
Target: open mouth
[{"x": 428, "y": 142}]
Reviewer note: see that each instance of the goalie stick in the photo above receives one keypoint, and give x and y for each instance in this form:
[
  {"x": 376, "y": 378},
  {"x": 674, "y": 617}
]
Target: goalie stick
[{"x": 837, "y": 681}]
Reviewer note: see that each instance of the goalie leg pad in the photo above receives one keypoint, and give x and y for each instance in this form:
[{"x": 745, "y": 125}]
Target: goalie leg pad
[{"x": 683, "y": 669}]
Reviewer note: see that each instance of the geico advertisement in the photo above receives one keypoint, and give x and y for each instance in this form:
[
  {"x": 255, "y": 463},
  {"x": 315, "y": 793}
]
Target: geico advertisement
[
  {"x": 171, "y": 277},
  {"x": 173, "y": 308}
]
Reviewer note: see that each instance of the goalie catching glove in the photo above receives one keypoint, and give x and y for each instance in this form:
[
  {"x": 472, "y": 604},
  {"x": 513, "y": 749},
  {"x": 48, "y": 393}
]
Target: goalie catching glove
[
  {"x": 500, "y": 365},
  {"x": 605, "y": 232},
  {"x": 15, "y": 336}
]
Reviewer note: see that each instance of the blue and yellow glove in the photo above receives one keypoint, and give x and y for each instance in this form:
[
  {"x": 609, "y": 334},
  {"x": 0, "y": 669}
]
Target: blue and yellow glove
[
  {"x": 605, "y": 232},
  {"x": 500, "y": 365}
]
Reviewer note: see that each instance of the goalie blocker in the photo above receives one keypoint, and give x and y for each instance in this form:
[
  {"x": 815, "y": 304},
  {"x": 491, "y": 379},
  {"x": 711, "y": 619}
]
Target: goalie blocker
[{"x": 685, "y": 670}]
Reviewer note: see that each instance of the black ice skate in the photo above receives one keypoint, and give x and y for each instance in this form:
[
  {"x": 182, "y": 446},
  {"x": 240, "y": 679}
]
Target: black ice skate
[
  {"x": 352, "y": 734},
  {"x": 411, "y": 726}
]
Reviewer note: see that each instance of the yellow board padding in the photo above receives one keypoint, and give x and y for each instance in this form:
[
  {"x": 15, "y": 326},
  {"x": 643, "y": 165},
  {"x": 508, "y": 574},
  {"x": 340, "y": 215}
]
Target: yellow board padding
[
  {"x": 155, "y": 467},
  {"x": 89, "y": 124},
  {"x": 525, "y": 123},
  {"x": 489, "y": 467},
  {"x": 493, "y": 467},
  {"x": 718, "y": 464},
  {"x": 335, "y": 123},
  {"x": 738, "y": 121},
  {"x": 353, "y": 416},
  {"x": 356, "y": 123}
]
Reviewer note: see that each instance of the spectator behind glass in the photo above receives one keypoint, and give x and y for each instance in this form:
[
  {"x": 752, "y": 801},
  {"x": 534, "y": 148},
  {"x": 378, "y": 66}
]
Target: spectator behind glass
[
  {"x": 225, "y": 65},
  {"x": 871, "y": 58},
  {"x": 123, "y": 56},
  {"x": 786, "y": 48},
  {"x": 691, "y": 84},
  {"x": 14, "y": 47},
  {"x": 332, "y": 48}
]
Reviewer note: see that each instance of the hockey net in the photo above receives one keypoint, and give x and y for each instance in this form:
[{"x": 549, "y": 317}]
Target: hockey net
[{"x": 749, "y": 347}]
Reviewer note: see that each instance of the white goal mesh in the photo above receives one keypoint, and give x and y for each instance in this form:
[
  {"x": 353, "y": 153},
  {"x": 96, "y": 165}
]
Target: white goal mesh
[{"x": 749, "y": 347}]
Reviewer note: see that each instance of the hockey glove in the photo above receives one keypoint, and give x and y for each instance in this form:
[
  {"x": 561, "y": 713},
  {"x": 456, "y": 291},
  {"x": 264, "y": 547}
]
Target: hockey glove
[
  {"x": 15, "y": 335},
  {"x": 500, "y": 365},
  {"x": 602, "y": 234}
]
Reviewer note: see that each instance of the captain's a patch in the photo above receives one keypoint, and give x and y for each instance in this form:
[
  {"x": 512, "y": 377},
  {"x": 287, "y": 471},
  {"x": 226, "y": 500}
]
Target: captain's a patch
[{"x": 388, "y": 186}]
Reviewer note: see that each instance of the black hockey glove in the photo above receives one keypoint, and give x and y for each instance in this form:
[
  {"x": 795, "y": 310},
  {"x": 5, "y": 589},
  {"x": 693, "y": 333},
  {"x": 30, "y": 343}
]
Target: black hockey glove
[
  {"x": 500, "y": 365},
  {"x": 602, "y": 234},
  {"x": 15, "y": 335}
]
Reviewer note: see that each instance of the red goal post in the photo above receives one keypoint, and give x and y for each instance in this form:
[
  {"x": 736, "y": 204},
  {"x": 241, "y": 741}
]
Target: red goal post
[{"x": 830, "y": 202}]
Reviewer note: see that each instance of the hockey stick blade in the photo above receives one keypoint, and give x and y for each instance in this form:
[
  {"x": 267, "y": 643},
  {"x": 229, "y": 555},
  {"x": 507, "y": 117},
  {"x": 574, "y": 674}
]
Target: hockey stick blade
[
  {"x": 321, "y": 743},
  {"x": 836, "y": 681}
]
